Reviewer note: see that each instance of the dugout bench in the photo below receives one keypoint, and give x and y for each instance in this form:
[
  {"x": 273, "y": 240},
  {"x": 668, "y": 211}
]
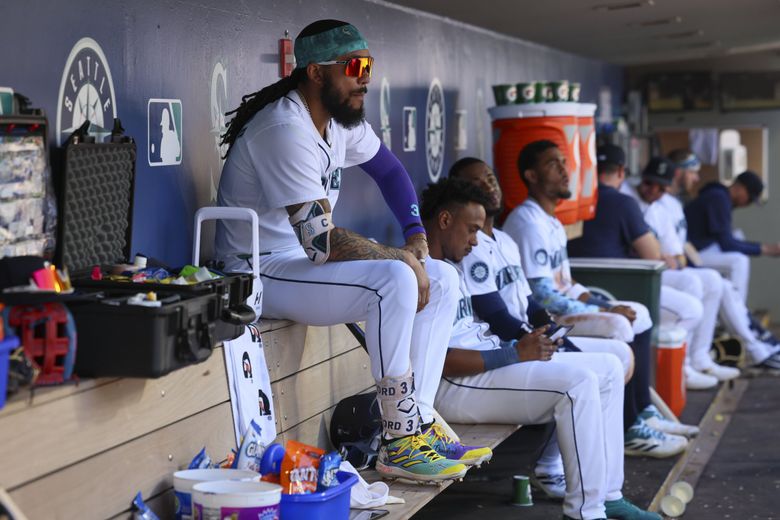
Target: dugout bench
[{"x": 84, "y": 450}]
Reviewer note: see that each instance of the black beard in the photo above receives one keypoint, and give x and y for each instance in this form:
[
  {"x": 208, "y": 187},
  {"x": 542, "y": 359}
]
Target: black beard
[
  {"x": 339, "y": 109},
  {"x": 494, "y": 212}
]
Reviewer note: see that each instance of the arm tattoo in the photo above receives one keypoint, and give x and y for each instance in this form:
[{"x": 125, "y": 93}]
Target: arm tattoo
[{"x": 348, "y": 245}]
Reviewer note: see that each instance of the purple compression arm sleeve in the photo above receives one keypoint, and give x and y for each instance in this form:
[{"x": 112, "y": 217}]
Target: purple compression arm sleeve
[{"x": 397, "y": 189}]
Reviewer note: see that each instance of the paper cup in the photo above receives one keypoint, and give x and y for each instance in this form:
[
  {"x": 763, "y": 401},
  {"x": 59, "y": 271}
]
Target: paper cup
[
  {"x": 521, "y": 491},
  {"x": 236, "y": 500},
  {"x": 184, "y": 480},
  {"x": 574, "y": 92},
  {"x": 682, "y": 490},
  {"x": 672, "y": 506},
  {"x": 543, "y": 92},
  {"x": 559, "y": 90},
  {"x": 505, "y": 94},
  {"x": 526, "y": 93}
]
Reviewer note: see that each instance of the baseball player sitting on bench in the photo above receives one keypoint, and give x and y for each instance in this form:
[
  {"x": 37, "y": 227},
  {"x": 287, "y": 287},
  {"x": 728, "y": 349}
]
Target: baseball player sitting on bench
[
  {"x": 542, "y": 243},
  {"x": 705, "y": 286},
  {"x": 288, "y": 145},
  {"x": 487, "y": 380},
  {"x": 500, "y": 293}
]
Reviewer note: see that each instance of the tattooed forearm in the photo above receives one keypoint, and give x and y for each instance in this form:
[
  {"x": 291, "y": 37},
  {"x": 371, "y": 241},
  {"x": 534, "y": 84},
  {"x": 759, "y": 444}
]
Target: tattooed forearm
[{"x": 348, "y": 245}]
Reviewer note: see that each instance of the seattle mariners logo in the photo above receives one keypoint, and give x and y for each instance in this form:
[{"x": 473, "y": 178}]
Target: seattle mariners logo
[
  {"x": 479, "y": 272},
  {"x": 218, "y": 126},
  {"x": 434, "y": 130},
  {"x": 86, "y": 92}
]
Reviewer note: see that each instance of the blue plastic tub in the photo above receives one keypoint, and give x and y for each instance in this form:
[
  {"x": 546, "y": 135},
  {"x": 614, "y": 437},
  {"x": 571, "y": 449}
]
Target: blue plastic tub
[
  {"x": 332, "y": 504},
  {"x": 6, "y": 346}
]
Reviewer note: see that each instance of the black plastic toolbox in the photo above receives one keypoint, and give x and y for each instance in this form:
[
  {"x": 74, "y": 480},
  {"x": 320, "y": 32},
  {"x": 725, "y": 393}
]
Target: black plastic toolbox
[
  {"x": 95, "y": 184},
  {"x": 117, "y": 339}
]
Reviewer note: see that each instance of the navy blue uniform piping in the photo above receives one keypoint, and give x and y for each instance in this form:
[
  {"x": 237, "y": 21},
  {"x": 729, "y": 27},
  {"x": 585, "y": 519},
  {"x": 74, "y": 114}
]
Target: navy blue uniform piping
[{"x": 375, "y": 291}]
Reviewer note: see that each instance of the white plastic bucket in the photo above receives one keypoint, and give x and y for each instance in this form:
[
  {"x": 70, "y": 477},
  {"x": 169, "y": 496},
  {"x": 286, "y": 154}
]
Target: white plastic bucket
[
  {"x": 184, "y": 480},
  {"x": 236, "y": 500}
]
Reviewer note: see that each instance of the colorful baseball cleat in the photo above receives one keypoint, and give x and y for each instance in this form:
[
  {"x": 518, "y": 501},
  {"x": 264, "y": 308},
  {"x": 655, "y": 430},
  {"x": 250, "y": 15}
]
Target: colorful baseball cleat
[
  {"x": 453, "y": 450},
  {"x": 412, "y": 458}
]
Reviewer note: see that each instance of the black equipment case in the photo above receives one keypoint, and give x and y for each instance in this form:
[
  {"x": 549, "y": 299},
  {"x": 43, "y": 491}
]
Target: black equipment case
[{"x": 115, "y": 338}]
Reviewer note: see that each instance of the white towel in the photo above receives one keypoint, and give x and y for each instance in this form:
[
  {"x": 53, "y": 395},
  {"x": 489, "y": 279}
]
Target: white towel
[
  {"x": 704, "y": 143},
  {"x": 368, "y": 496}
]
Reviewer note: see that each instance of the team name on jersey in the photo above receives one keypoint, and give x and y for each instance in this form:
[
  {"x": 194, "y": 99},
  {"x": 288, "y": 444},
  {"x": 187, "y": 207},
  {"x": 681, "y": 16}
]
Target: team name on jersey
[
  {"x": 682, "y": 225},
  {"x": 508, "y": 275},
  {"x": 464, "y": 309},
  {"x": 555, "y": 259}
]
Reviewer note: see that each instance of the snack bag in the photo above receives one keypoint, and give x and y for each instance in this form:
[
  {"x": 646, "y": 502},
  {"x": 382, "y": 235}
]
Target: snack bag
[
  {"x": 329, "y": 466},
  {"x": 299, "y": 468},
  {"x": 201, "y": 461},
  {"x": 252, "y": 448}
]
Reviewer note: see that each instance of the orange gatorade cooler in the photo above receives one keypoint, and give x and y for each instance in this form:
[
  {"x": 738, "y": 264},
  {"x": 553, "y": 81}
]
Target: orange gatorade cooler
[
  {"x": 588, "y": 178},
  {"x": 514, "y": 126},
  {"x": 670, "y": 360}
]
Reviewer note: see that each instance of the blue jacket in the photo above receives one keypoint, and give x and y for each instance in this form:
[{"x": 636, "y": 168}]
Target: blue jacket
[{"x": 709, "y": 221}]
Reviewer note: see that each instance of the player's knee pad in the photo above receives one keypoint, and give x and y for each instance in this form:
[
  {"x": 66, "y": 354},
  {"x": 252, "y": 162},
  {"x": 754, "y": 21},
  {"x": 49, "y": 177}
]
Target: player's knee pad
[
  {"x": 312, "y": 225},
  {"x": 398, "y": 405}
]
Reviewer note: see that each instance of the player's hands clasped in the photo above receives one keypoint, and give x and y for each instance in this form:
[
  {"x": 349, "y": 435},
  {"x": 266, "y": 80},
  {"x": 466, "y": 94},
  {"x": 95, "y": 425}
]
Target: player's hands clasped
[
  {"x": 417, "y": 244},
  {"x": 624, "y": 310},
  {"x": 535, "y": 346}
]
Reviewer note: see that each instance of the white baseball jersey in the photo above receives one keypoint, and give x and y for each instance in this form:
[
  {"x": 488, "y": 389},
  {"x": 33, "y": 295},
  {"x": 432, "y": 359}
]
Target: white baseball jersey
[
  {"x": 660, "y": 222},
  {"x": 281, "y": 160},
  {"x": 674, "y": 208},
  {"x": 466, "y": 332},
  {"x": 541, "y": 240},
  {"x": 494, "y": 265}
]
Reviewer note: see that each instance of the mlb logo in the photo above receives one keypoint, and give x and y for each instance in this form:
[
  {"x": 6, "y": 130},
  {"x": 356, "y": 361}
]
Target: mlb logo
[
  {"x": 6, "y": 101},
  {"x": 164, "y": 144}
]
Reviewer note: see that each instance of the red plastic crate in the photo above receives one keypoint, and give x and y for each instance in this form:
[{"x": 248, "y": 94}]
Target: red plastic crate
[{"x": 48, "y": 338}]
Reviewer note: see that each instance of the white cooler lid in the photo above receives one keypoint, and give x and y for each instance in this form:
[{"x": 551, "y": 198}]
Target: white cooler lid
[
  {"x": 563, "y": 108},
  {"x": 587, "y": 109}
]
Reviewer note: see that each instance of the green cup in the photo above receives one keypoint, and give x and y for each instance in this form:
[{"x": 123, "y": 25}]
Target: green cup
[
  {"x": 559, "y": 90},
  {"x": 526, "y": 93},
  {"x": 574, "y": 92},
  {"x": 521, "y": 491},
  {"x": 505, "y": 94},
  {"x": 542, "y": 92}
]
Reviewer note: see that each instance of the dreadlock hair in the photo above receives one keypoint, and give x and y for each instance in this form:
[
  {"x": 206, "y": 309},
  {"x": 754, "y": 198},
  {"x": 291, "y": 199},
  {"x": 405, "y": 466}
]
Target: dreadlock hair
[
  {"x": 461, "y": 164},
  {"x": 447, "y": 194},
  {"x": 252, "y": 103}
]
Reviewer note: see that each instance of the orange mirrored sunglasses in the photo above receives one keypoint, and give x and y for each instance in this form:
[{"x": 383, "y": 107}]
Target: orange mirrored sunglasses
[{"x": 354, "y": 67}]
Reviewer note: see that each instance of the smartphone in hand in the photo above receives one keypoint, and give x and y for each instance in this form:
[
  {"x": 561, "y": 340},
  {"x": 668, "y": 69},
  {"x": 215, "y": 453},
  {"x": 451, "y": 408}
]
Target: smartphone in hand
[{"x": 559, "y": 332}]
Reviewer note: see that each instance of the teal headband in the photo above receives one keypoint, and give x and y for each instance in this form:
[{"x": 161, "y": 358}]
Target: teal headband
[{"x": 328, "y": 45}]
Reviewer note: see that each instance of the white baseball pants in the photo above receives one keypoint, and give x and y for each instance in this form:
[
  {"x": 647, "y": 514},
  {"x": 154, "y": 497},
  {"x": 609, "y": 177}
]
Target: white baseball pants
[
  {"x": 582, "y": 392},
  {"x": 383, "y": 293}
]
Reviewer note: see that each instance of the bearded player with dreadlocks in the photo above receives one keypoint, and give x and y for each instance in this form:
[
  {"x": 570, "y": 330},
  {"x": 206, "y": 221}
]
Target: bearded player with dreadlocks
[{"x": 288, "y": 144}]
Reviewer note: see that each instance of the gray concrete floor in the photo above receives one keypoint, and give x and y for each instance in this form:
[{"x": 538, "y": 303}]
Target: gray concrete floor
[{"x": 486, "y": 492}]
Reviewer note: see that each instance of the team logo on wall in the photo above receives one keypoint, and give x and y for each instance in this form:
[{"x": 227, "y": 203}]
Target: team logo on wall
[
  {"x": 218, "y": 126},
  {"x": 384, "y": 113},
  {"x": 434, "y": 130},
  {"x": 164, "y": 132},
  {"x": 86, "y": 92}
]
